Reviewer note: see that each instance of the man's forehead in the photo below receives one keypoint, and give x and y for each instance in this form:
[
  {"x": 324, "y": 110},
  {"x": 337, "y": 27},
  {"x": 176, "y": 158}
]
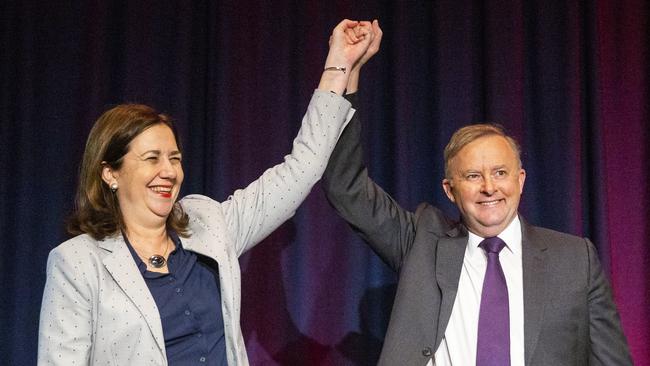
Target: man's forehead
[
  {"x": 487, "y": 146},
  {"x": 489, "y": 152}
]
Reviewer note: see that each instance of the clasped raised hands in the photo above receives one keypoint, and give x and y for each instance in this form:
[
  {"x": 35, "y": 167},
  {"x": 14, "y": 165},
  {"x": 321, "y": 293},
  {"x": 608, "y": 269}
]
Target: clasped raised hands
[{"x": 349, "y": 42}]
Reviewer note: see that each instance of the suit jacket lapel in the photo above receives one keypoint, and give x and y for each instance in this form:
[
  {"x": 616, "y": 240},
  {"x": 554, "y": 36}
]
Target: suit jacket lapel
[
  {"x": 449, "y": 262},
  {"x": 535, "y": 287},
  {"x": 121, "y": 266}
]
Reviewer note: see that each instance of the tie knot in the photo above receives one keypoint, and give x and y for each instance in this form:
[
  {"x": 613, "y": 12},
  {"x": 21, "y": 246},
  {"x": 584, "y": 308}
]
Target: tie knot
[{"x": 492, "y": 245}]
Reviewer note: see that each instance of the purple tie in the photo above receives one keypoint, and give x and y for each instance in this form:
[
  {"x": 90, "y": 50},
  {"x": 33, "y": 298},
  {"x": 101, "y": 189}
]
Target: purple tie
[{"x": 493, "y": 344}]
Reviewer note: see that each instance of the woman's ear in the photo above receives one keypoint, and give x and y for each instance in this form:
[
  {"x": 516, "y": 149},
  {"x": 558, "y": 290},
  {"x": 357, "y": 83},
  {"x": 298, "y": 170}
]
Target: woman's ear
[{"x": 107, "y": 174}]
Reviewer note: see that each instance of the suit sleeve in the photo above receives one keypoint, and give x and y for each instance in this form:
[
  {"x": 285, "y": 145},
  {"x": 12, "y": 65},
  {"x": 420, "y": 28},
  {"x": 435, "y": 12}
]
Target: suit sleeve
[
  {"x": 375, "y": 215},
  {"x": 608, "y": 344},
  {"x": 64, "y": 335}
]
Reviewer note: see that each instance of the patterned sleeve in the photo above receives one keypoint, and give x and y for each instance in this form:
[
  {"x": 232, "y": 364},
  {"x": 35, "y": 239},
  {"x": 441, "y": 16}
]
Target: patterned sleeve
[
  {"x": 65, "y": 330},
  {"x": 254, "y": 212}
]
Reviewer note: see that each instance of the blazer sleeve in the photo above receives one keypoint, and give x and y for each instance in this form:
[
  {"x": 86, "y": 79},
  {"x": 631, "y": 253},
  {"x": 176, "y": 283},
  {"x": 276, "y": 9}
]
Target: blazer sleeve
[
  {"x": 608, "y": 343},
  {"x": 374, "y": 214},
  {"x": 65, "y": 329},
  {"x": 254, "y": 212}
]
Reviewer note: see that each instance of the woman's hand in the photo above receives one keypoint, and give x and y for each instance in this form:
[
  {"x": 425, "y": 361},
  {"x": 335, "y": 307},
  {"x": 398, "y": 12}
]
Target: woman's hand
[{"x": 348, "y": 43}]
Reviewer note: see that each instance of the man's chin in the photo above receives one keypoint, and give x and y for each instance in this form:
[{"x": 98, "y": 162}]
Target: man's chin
[{"x": 487, "y": 229}]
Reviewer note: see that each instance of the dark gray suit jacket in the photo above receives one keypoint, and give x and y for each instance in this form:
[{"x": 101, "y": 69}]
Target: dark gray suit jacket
[{"x": 569, "y": 315}]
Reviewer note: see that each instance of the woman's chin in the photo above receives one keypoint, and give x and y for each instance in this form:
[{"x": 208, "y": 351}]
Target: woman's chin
[{"x": 162, "y": 211}]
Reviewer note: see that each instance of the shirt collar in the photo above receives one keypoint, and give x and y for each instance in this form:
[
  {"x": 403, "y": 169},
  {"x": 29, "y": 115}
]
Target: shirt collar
[{"x": 511, "y": 235}]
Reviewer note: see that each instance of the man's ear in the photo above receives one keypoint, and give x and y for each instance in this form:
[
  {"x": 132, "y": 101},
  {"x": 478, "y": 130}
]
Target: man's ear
[
  {"x": 448, "y": 188},
  {"x": 108, "y": 175},
  {"x": 522, "y": 179}
]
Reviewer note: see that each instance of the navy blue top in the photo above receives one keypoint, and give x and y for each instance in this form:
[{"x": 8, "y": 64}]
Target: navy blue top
[{"x": 189, "y": 302}]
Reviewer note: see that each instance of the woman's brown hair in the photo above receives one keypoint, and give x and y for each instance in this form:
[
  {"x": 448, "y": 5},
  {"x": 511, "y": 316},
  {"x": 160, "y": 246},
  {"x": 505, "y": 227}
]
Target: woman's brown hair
[{"x": 97, "y": 211}]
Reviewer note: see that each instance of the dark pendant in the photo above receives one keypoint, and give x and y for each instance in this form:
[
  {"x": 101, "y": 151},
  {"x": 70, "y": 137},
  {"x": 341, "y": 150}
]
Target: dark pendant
[{"x": 157, "y": 261}]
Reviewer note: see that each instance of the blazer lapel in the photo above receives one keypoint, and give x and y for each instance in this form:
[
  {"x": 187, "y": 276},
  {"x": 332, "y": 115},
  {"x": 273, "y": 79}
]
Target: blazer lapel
[
  {"x": 121, "y": 266},
  {"x": 449, "y": 262},
  {"x": 535, "y": 287}
]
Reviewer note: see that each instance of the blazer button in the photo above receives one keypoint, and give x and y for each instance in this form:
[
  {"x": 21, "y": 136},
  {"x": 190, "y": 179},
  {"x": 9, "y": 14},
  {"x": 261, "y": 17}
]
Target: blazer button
[{"x": 426, "y": 352}]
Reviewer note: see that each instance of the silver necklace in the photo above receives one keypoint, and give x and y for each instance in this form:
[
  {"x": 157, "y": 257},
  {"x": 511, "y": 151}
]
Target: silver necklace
[{"x": 157, "y": 260}]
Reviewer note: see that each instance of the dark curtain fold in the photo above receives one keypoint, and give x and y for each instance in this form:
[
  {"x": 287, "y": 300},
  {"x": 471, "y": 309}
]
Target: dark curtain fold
[{"x": 569, "y": 79}]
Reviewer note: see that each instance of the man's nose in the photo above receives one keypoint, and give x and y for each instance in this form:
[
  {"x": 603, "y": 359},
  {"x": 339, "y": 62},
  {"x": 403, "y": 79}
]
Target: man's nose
[{"x": 488, "y": 186}]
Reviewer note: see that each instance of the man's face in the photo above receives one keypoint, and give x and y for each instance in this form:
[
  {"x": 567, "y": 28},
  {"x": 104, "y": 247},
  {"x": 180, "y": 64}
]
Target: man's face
[{"x": 486, "y": 184}]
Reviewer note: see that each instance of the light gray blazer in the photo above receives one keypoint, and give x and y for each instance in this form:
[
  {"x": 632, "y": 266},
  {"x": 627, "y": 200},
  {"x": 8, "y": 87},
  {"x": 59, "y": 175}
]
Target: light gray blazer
[
  {"x": 569, "y": 314},
  {"x": 97, "y": 309}
]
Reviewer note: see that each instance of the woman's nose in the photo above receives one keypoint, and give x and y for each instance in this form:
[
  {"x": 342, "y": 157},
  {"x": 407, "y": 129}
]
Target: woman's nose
[{"x": 167, "y": 170}]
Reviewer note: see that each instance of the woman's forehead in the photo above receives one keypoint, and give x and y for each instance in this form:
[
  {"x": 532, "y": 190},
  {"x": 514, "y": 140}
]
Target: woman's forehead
[{"x": 155, "y": 138}]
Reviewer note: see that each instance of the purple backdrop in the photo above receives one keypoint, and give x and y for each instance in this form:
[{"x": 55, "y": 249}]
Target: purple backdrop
[{"x": 568, "y": 78}]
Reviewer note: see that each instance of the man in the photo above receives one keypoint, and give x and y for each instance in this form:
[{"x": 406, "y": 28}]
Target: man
[{"x": 491, "y": 289}]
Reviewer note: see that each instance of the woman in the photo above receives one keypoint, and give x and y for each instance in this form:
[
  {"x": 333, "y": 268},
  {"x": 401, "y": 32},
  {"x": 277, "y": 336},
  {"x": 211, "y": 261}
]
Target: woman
[{"x": 142, "y": 281}]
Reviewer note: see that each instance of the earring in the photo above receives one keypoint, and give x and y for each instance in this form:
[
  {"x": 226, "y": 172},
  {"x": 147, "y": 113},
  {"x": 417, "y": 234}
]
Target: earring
[{"x": 114, "y": 187}]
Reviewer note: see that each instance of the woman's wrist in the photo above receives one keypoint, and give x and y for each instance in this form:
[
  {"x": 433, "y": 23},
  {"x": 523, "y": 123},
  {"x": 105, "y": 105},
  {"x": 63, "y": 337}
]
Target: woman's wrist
[{"x": 334, "y": 80}]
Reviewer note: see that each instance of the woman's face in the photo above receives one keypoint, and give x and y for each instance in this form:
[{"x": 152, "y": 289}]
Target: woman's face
[{"x": 150, "y": 177}]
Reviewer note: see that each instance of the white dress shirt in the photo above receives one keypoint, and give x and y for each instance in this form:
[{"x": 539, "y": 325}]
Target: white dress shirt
[{"x": 458, "y": 347}]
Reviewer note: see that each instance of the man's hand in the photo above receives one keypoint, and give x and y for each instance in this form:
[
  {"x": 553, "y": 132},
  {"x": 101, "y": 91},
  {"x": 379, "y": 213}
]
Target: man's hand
[
  {"x": 375, "y": 43},
  {"x": 373, "y": 48}
]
